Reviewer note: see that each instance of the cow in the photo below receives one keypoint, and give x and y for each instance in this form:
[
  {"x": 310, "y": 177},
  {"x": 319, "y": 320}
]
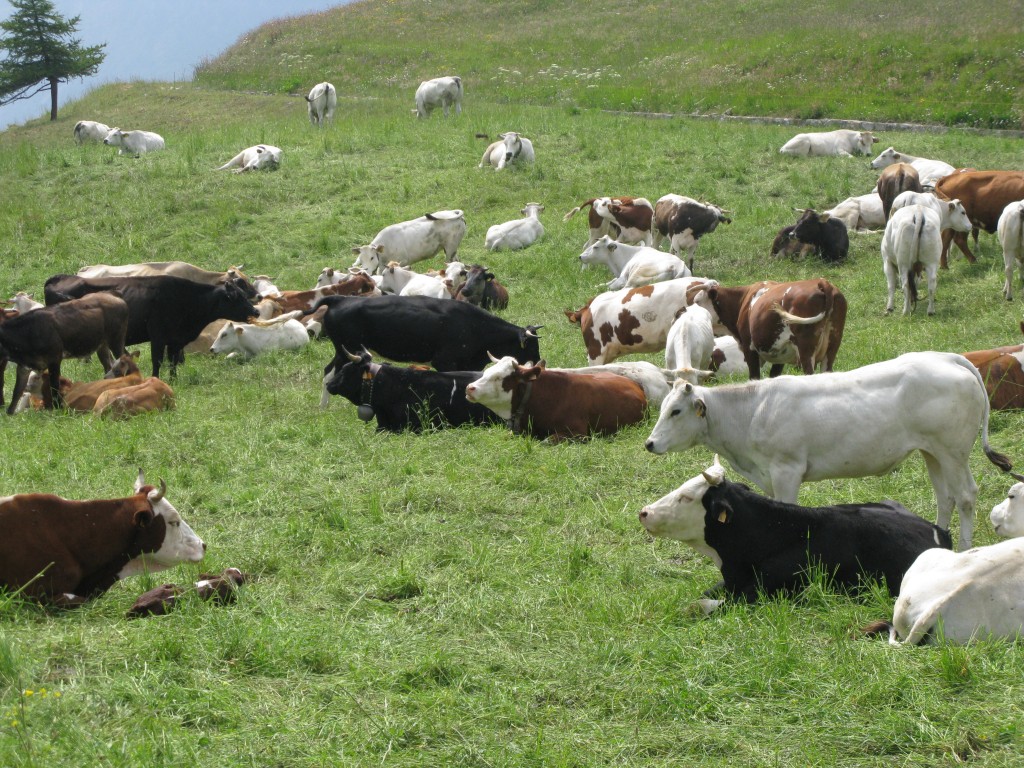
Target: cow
[
  {"x": 985, "y": 195},
  {"x": 798, "y": 323},
  {"x": 557, "y": 404},
  {"x": 90, "y": 130},
  {"x": 151, "y": 395},
  {"x": 453, "y": 275},
  {"x": 896, "y": 179},
  {"x": 264, "y": 287},
  {"x": 632, "y": 320},
  {"x": 633, "y": 265},
  {"x": 766, "y": 547},
  {"x": 168, "y": 312},
  {"x": 1001, "y": 369},
  {"x": 948, "y": 210},
  {"x": 359, "y": 284},
  {"x": 518, "y": 233},
  {"x": 913, "y": 240},
  {"x": 786, "y": 244},
  {"x": 513, "y": 147},
  {"x": 691, "y": 339},
  {"x": 482, "y": 289},
  {"x": 626, "y": 219},
  {"x": 245, "y": 341},
  {"x": 843, "y": 142},
  {"x": 65, "y": 552},
  {"x": 727, "y": 359},
  {"x": 683, "y": 221},
  {"x": 82, "y": 395},
  {"x": 258, "y": 158},
  {"x": 782, "y": 432},
  {"x": 1010, "y": 231},
  {"x": 41, "y": 339},
  {"x": 929, "y": 171},
  {"x": 443, "y": 92},
  {"x": 321, "y": 103},
  {"x": 134, "y": 142},
  {"x": 827, "y": 234},
  {"x": 410, "y": 241},
  {"x": 860, "y": 214},
  {"x": 23, "y": 302},
  {"x": 654, "y": 381},
  {"x": 401, "y": 281},
  {"x": 221, "y": 588},
  {"x": 407, "y": 398},
  {"x": 174, "y": 269}
]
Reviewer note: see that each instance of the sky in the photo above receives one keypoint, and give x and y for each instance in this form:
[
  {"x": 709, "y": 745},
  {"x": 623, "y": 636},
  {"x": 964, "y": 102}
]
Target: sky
[{"x": 154, "y": 40}]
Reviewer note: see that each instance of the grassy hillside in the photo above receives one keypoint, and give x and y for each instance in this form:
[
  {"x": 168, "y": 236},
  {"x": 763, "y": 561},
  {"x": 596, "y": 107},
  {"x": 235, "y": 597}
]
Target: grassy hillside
[{"x": 941, "y": 62}]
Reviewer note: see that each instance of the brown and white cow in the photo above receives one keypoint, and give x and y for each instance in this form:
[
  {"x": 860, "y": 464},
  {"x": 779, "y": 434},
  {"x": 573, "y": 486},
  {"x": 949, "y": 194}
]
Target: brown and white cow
[
  {"x": 1003, "y": 375},
  {"x": 984, "y": 194},
  {"x": 150, "y": 395},
  {"x": 65, "y": 552},
  {"x": 359, "y": 284},
  {"x": 683, "y": 221},
  {"x": 895, "y": 179},
  {"x": 623, "y": 218},
  {"x": 557, "y": 404},
  {"x": 799, "y": 323}
]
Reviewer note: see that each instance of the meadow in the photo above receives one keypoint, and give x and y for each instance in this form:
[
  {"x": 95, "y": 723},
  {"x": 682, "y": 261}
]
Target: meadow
[{"x": 460, "y": 597}]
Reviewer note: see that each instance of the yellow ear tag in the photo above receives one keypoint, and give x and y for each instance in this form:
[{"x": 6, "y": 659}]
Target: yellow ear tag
[
  {"x": 367, "y": 376},
  {"x": 723, "y": 516}
]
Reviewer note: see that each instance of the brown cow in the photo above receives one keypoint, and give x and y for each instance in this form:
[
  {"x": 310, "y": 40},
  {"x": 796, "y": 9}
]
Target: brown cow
[
  {"x": 1004, "y": 377},
  {"x": 82, "y": 395},
  {"x": 623, "y": 218},
  {"x": 66, "y": 551},
  {"x": 896, "y": 178},
  {"x": 359, "y": 284},
  {"x": 482, "y": 289},
  {"x": 150, "y": 395},
  {"x": 799, "y": 323},
  {"x": 557, "y": 404},
  {"x": 984, "y": 195}
]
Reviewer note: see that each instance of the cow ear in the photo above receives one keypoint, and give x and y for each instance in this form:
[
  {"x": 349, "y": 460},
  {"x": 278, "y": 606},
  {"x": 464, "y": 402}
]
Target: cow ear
[
  {"x": 700, "y": 407},
  {"x": 531, "y": 374},
  {"x": 239, "y": 330},
  {"x": 355, "y": 251},
  {"x": 143, "y": 518},
  {"x": 823, "y": 217},
  {"x": 612, "y": 245},
  {"x": 723, "y": 512}
]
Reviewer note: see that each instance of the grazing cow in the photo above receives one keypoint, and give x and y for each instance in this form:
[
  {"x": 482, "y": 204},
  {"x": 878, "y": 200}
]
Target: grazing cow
[
  {"x": 134, "y": 142},
  {"x": 929, "y": 171},
  {"x": 407, "y": 398},
  {"x": 90, "y": 130},
  {"x": 985, "y": 195},
  {"x": 633, "y": 265},
  {"x": 151, "y": 395},
  {"x": 400, "y": 281},
  {"x": 826, "y": 233},
  {"x": 518, "y": 233},
  {"x": 786, "y": 244},
  {"x": 626, "y": 219},
  {"x": 40, "y": 340},
  {"x": 557, "y": 404},
  {"x": 683, "y": 221},
  {"x": 1010, "y": 231},
  {"x": 65, "y": 552},
  {"x": 766, "y": 547},
  {"x": 654, "y": 381},
  {"x": 321, "y": 103},
  {"x": 482, "y": 289},
  {"x": 782, "y": 432},
  {"x": 258, "y": 158},
  {"x": 442, "y": 92},
  {"x": 691, "y": 339},
  {"x": 912, "y": 241},
  {"x": 1001, "y": 369},
  {"x": 410, "y": 241},
  {"x": 860, "y": 214},
  {"x": 174, "y": 269},
  {"x": 843, "y": 142},
  {"x": 247, "y": 341},
  {"x": 633, "y": 320},
  {"x": 512, "y": 148},
  {"x": 799, "y": 323},
  {"x": 896, "y": 179},
  {"x": 168, "y": 312}
]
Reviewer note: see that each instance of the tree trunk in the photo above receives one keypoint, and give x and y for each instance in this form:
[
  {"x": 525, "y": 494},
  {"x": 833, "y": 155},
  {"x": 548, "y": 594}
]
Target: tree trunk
[{"x": 53, "y": 98}]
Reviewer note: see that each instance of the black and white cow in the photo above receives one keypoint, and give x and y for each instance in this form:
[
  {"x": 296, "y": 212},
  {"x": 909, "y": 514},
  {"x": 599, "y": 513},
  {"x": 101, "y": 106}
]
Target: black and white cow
[{"x": 683, "y": 221}]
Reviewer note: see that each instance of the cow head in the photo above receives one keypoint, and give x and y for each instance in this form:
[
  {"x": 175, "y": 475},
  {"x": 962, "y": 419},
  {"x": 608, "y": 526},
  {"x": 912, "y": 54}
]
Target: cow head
[
  {"x": 166, "y": 539},
  {"x": 600, "y": 252},
  {"x": 232, "y": 302},
  {"x": 125, "y": 365},
  {"x": 497, "y": 385},
  {"x": 532, "y": 209},
  {"x": 864, "y": 141},
  {"x": 681, "y": 423},
  {"x": 680, "y": 514},
  {"x": 370, "y": 258},
  {"x": 529, "y": 345},
  {"x": 114, "y": 138},
  {"x": 513, "y": 145},
  {"x": 887, "y": 158},
  {"x": 348, "y": 379},
  {"x": 1008, "y": 516},
  {"x": 957, "y": 216}
]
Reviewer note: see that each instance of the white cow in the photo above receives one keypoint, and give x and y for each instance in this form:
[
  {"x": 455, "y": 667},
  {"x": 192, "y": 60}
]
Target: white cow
[
  {"x": 321, "y": 103},
  {"x": 929, "y": 171},
  {"x": 861, "y": 213},
  {"x": 134, "y": 142},
  {"x": 844, "y": 142},
  {"x": 1010, "y": 231},
  {"x": 947, "y": 209},
  {"x": 23, "y": 302},
  {"x": 691, "y": 339},
  {"x": 265, "y": 287},
  {"x": 782, "y": 432},
  {"x": 512, "y": 147},
  {"x": 517, "y": 233},
  {"x": 453, "y": 275},
  {"x": 634, "y": 265},
  {"x": 400, "y": 281},
  {"x": 250, "y": 340},
  {"x": 913, "y": 235},
  {"x": 257, "y": 158},
  {"x": 410, "y": 241},
  {"x": 90, "y": 130},
  {"x": 440, "y": 92},
  {"x": 656, "y": 382}
]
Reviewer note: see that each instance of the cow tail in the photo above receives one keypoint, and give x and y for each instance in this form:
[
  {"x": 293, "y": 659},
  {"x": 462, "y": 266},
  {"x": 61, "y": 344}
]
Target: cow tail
[
  {"x": 1000, "y": 460},
  {"x": 578, "y": 208},
  {"x": 911, "y": 274},
  {"x": 876, "y": 628},
  {"x": 796, "y": 319}
]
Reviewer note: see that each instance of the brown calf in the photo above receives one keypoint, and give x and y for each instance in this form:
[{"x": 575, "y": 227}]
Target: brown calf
[{"x": 151, "y": 395}]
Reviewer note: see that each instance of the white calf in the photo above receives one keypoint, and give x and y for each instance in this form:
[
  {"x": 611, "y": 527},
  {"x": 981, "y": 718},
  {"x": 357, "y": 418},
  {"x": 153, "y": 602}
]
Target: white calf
[
  {"x": 257, "y": 158},
  {"x": 511, "y": 147},
  {"x": 633, "y": 265},
  {"x": 249, "y": 340},
  {"x": 23, "y": 302},
  {"x": 860, "y": 213},
  {"x": 321, "y": 102},
  {"x": 410, "y": 241},
  {"x": 439, "y": 92},
  {"x": 134, "y": 142},
  {"x": 1010, "y": 232},
  {"x": 90, "y": 130},
  {"x": 691, "y": 340},
  {"x": 517, "y": 233},
  {"x": 929, "y": 171},
  {"x": 843, "y": 142},
  {"x": 400, "y": 281}
]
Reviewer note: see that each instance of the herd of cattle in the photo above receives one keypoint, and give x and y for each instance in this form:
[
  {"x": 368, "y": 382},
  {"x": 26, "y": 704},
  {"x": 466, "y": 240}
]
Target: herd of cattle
[{"x": 487, "y": 370}]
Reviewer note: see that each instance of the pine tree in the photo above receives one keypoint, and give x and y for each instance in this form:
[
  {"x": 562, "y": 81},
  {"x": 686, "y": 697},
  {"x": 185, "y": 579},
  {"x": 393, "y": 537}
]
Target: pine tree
[{"x": 41, "y": 52}]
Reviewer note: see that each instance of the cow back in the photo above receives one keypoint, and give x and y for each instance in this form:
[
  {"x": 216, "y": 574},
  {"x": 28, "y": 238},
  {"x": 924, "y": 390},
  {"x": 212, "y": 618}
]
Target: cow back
[{"x": 566, "y": 404}]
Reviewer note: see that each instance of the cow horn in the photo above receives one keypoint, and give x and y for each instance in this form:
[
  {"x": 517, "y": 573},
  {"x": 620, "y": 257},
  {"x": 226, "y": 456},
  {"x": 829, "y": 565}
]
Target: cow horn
[
  {"x": 155, "y": 496},
  {"x": 353, "y": 358},
  {"x": 531, "y": 330},
  {"x": 493, "y": 358},
  {"x": 714, "y": 474}
]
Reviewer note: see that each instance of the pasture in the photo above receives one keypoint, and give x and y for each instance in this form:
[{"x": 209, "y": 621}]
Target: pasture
[{"x": 461, "y": 597}]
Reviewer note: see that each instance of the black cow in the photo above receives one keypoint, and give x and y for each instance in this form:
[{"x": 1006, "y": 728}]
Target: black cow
[
  {"x": 39, "y": 340},
  {"x": 825, "y": 232},
  {"x": 482, "y": 289},
  {"x": 401, "y": 397},
  {"x": 449, "y": 335},
  {"x": 766, "y": 546},
  {"x": 166, "y": 311}
]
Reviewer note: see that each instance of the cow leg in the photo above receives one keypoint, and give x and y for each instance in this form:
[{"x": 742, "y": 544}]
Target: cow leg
[
  {"x": 776, "y": 370},
  {"x": 3, "y": 370},
  {"x": 20, "y": 382},
  {"x": 156, "y": 351},
  {"x": 753, "y": 363},
  {"x": 105, "y": 357},
  {"x": 891, "y": 278},
  {"x": 944, "y": 501},
  {"x": 56, "y": 398},
  {"x": 1007, "y": 289},
  {"x": 932, "y": 275}
]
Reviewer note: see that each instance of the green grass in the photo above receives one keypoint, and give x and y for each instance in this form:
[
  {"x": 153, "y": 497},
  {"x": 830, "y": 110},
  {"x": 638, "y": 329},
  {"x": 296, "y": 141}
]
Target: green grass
[{"x": 461, "y": 597}]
